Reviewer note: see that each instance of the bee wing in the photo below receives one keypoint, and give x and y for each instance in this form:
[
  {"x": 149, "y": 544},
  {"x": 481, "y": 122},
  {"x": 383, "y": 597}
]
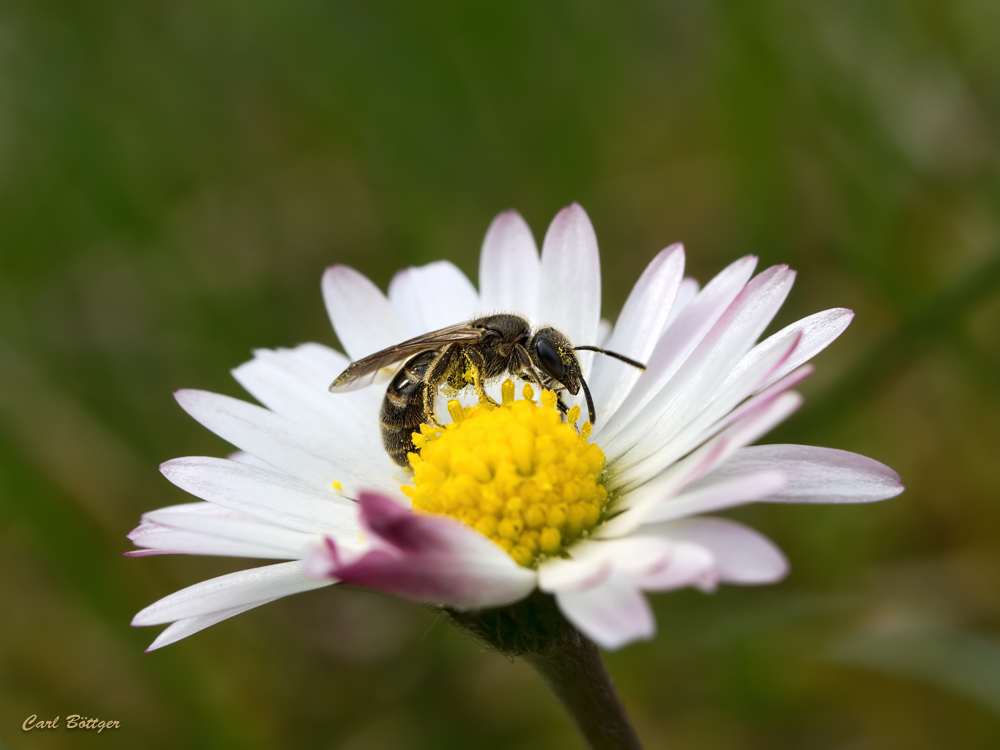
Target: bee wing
[{"x": 363, "y": 372}]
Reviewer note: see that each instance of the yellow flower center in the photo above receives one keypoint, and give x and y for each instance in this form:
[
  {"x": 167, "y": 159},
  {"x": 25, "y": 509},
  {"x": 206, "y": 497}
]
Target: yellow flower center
[{"x": 517, "y": 473}]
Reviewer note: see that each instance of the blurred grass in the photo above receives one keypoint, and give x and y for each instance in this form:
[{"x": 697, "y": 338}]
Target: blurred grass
[{"x": 175, "y": 176}]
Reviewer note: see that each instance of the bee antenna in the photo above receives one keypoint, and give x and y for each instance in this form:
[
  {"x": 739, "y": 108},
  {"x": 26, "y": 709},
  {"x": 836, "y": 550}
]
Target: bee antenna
[
  {"x": 616, "y": 355},
  {"x": 590, "y": 401}
]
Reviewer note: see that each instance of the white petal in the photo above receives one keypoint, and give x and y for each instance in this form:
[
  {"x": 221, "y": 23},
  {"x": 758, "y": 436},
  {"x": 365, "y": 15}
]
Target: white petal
[
  {"x": 268, "y": 495},
  {"x": 317, "y": 459},
  {"x": 241, "y": 589},
  {"x": 574, "y": 574},
  {"x": 742, "y": 554},
  {"x": 639, "y": 327},
  {"x": 433, "y": 296},
  {"x": 363, "y": 318},
  {"x": 312, "y": 363},
  {"x": 670, "y": 442},
  {"x": 220, "y": 522},
  {"x": 210, "y": 529},
  {"x": 168, "y": 540},
  {"x": 611, "y": 614},
  {"x": 679, "y": 341},
  {"x": 686, "y": 293},
  {"x": 569, "y": 291},
  {"x": 815, "y": 475},
  {"x": 690, "y": 565},
  {"x": 653, "y": 491},
  {"x": 242, "y": 457},
  {"x": 814, "y": 334},
  {"x": 509, "y": 268},
  {"x": 604, "y": 328},
  {"x": 710, "y": 496},
  {"x": 277, "y": 380},
  {"x": 755, "y": 403},
  {"x": 183, "y": 628},
  {"x": 592, "y": 562},
  {"x": 704, "y": 371}
]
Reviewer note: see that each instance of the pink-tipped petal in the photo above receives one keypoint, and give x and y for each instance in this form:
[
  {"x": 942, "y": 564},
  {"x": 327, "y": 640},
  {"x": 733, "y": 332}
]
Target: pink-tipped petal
[
  {"x": 612, "y": 614},
  {"x": 686, "y": 293},
  {"x": 593, "y": 562},
  {"x": 742, "y": 555},
  {"x": 578, "y": 573},
  {"x": 569, "y": 291},
  {"x": 690, "y": 391},
  {"x": 680, "y": 339},
  {"x": 690, "y": 565},
  {"x": 725, "y": 493},
  {"x": 816, "y": 475},
  {"x": 509, "y": 269},
  {"x": 712, "y": 416},
  {"x": 814, "y": 334},
  {"x": 639, "y": 327},
  {"x": 428, "y": 558}
]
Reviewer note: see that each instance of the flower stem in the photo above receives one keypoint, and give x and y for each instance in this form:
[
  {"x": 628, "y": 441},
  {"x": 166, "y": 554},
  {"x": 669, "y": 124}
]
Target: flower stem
[{"x": 536, "y": 631}]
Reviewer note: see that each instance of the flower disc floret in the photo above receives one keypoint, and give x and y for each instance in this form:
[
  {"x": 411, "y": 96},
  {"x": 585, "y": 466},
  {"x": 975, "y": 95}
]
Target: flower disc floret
[{"x": 517, "y": 473}]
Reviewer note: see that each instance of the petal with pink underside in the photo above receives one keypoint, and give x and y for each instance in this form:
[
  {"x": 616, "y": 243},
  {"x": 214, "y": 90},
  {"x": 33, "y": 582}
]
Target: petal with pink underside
[
  {"x": 815, "y": 475},
  {"x": 742, "y": 554},
  {"x": 815, "y": 333},
  {"x": 593, "y": 562},
  {"x": 690, "y": 565},
  {"x": 612, "y": 614},
  {"x": 426, "y": 558},
  {"x": 725, "y": 493}
]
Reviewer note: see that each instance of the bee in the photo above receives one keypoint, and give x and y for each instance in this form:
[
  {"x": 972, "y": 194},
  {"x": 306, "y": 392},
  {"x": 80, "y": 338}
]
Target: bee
[{"x": 472, "y": 353}]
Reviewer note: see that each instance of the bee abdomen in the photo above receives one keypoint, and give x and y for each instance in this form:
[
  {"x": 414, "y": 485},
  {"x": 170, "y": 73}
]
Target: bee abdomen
[{"x": 403, "y": 409}]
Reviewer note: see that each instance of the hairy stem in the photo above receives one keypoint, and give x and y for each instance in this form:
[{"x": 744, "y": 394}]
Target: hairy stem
[{"x": 535, "y": 630}]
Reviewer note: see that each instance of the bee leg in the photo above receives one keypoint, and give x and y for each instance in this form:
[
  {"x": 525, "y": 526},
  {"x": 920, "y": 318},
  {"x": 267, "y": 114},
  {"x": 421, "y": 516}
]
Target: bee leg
[
  {"x": 436, "y": 373},
  {"x": 427, "y": 396},
  {"x": 477, "y": 364},
  {"x": 525, "y": 358},
  {"x": 561, "y": 405},
  {"x": 563, "y": 409}
]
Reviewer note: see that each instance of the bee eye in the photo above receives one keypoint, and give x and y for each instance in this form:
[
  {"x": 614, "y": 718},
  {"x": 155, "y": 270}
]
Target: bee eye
[{"x": 549, "y": 359}]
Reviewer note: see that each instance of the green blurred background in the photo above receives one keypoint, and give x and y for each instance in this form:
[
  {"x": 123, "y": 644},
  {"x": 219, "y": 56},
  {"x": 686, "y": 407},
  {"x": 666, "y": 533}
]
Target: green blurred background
[{"x": 174, "y": 177}]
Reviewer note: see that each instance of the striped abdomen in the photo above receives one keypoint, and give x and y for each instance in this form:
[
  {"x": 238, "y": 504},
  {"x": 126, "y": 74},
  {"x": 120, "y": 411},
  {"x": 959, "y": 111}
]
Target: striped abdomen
[{"x": 403, "y": 407}]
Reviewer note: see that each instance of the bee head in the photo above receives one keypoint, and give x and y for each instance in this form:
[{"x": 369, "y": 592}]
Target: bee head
[{"x": 552, "y": 354}]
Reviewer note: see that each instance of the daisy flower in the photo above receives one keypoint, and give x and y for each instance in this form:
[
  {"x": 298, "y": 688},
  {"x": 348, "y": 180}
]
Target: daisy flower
[{"x": 507, "y": 499}]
